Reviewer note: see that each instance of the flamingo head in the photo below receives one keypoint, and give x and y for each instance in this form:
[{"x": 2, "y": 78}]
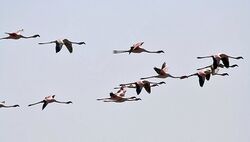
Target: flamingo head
[
  {"x": 161, "y": 51},
  {"x": 224, "y": 74},
  {"x": 36, "y": 36},
  {"x": 69, "y": 102}
]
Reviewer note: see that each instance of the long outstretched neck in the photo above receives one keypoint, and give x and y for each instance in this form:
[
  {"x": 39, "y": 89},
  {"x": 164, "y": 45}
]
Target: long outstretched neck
[
  {"x": 201, "y": 57},
  {"x": 195, "y": 74},
  {"x": 173, "y": 76},
  {"x": 34, "y": 36},
  {"x": 125, "y": 84},
  {"x": 120, "y": 51},
  {"x": 149, "y": 77},
  {"x": 47, "y": 42},
  {"x": 222, "y": 74},
  {"x": 232, "y": 66},
  {"x": 205, "y": 67},
  {"x": 36, "y": 103},
  {"x": 103, "y": 99},
  {"x": 68, "y": 102},
  {"x": 160, "y": 51},
  {"x": 132, "y": 99},
  {"x": 11, "y": 106},
  {"x": 79, "y": 43},
  {"x": 240, "y": 57}
]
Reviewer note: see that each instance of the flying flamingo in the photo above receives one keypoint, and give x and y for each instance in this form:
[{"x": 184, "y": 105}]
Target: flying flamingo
[
  {"x": 118, "y": 97},
  {"x": 213, "y": 70},
  {"x": 142, "y": 84},
  {"x": 136, "y": 48},
  {"x": 61, "y": 42},
  {"x": 49, "y": 99},
  {"x": 17, "y": 35},
  {"x": 225, "y": 59},
  {"x": 2, "y": 104},
  {"x": 203, "y": 75},
  {"x": 162, "y": 72}
]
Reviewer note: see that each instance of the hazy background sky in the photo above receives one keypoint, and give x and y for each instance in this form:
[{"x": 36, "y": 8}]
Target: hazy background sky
[{"x": 179, "y": 111}]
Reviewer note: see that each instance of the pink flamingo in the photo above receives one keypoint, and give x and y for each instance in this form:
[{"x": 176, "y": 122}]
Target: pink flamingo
[
  {"x": 220, "y": 56},
  {"x": 17, "y": 35},
  {"x": 136, "y": 48},
  {"x": 49, "y": 99}
]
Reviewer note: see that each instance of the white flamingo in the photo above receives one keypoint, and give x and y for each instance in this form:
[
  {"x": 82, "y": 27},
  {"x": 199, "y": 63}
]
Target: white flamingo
[
  {"x": 49, "y": 99},
  {"x": 60, "y": 42},
  {"x": 136, "y": 48},
  {"x": 220, "y": 56},
  {"x": 17, "y": 35}
]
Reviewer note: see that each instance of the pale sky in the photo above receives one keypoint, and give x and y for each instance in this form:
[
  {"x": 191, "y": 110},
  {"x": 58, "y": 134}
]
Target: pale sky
[{"x": 179, "y": 111}]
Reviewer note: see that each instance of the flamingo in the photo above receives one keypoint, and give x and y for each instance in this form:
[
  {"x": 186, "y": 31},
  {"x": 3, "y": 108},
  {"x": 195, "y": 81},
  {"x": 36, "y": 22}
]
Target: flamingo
[
  {"x": 61, "y": 42},
  {"x": 162, "y": 72},
  {"x": 203, "y": 75},
  {"x": 49, "y": 99},
  {"x": 17, "y": 35},
  {"x": 136, "y": 48},
  {"x": 2, "y": 104},
  {"x": 220, "y": 56},
  {"x": 213, "y": 70},
  {"x": 118, "y": 97},
  {"x": 142, "y": 84}
]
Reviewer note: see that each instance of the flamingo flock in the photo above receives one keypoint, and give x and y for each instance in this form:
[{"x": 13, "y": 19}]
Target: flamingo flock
[{"x": 220, "y": 60}]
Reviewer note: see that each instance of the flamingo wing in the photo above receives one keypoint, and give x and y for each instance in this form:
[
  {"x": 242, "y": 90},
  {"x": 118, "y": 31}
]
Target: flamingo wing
[
  {"x": 201, "y": 80},
  {"x": 68, "y": 44},
  {"x": 164, "y": 67},
  {"x": 138, "y": 89},
  {"x": 58, "y": 47},
  {"x": 208, "y": 76},
  {"x": 147, "y": 86},
  {"x": 44, "y": 104},
  {"x": 225, "y": 61},
  {"x": 157, "y": 70}
]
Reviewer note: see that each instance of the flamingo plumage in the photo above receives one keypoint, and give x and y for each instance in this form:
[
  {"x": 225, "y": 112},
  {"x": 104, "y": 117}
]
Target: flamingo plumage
[
  {"x": 221, "y": 57},
  {"x": 138, "y": 85},
  {"x": 118, "y": 97},
  {"x": 49, "y": 99},
  {"x": 162, "y": 72},
  {"x": 17, "y": 35},
  {"x": 136, "y": 48}
]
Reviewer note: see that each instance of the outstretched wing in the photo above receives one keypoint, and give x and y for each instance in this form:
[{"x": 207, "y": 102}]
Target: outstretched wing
[
  {"x": 157, "y": 70},
  {"x": 138, "y": 89},
  {"x": 68, "y": 44},
  {"x": 147, "y": 86},
  {"x": 225, "y": 61},
  {"x": 201, "y": 80},
  {"x": 58, "y": 47},
  {"x": 44, "y": 104},
  {"x": 164, "y": 67},
  {"x": 208, "y": 76}
]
